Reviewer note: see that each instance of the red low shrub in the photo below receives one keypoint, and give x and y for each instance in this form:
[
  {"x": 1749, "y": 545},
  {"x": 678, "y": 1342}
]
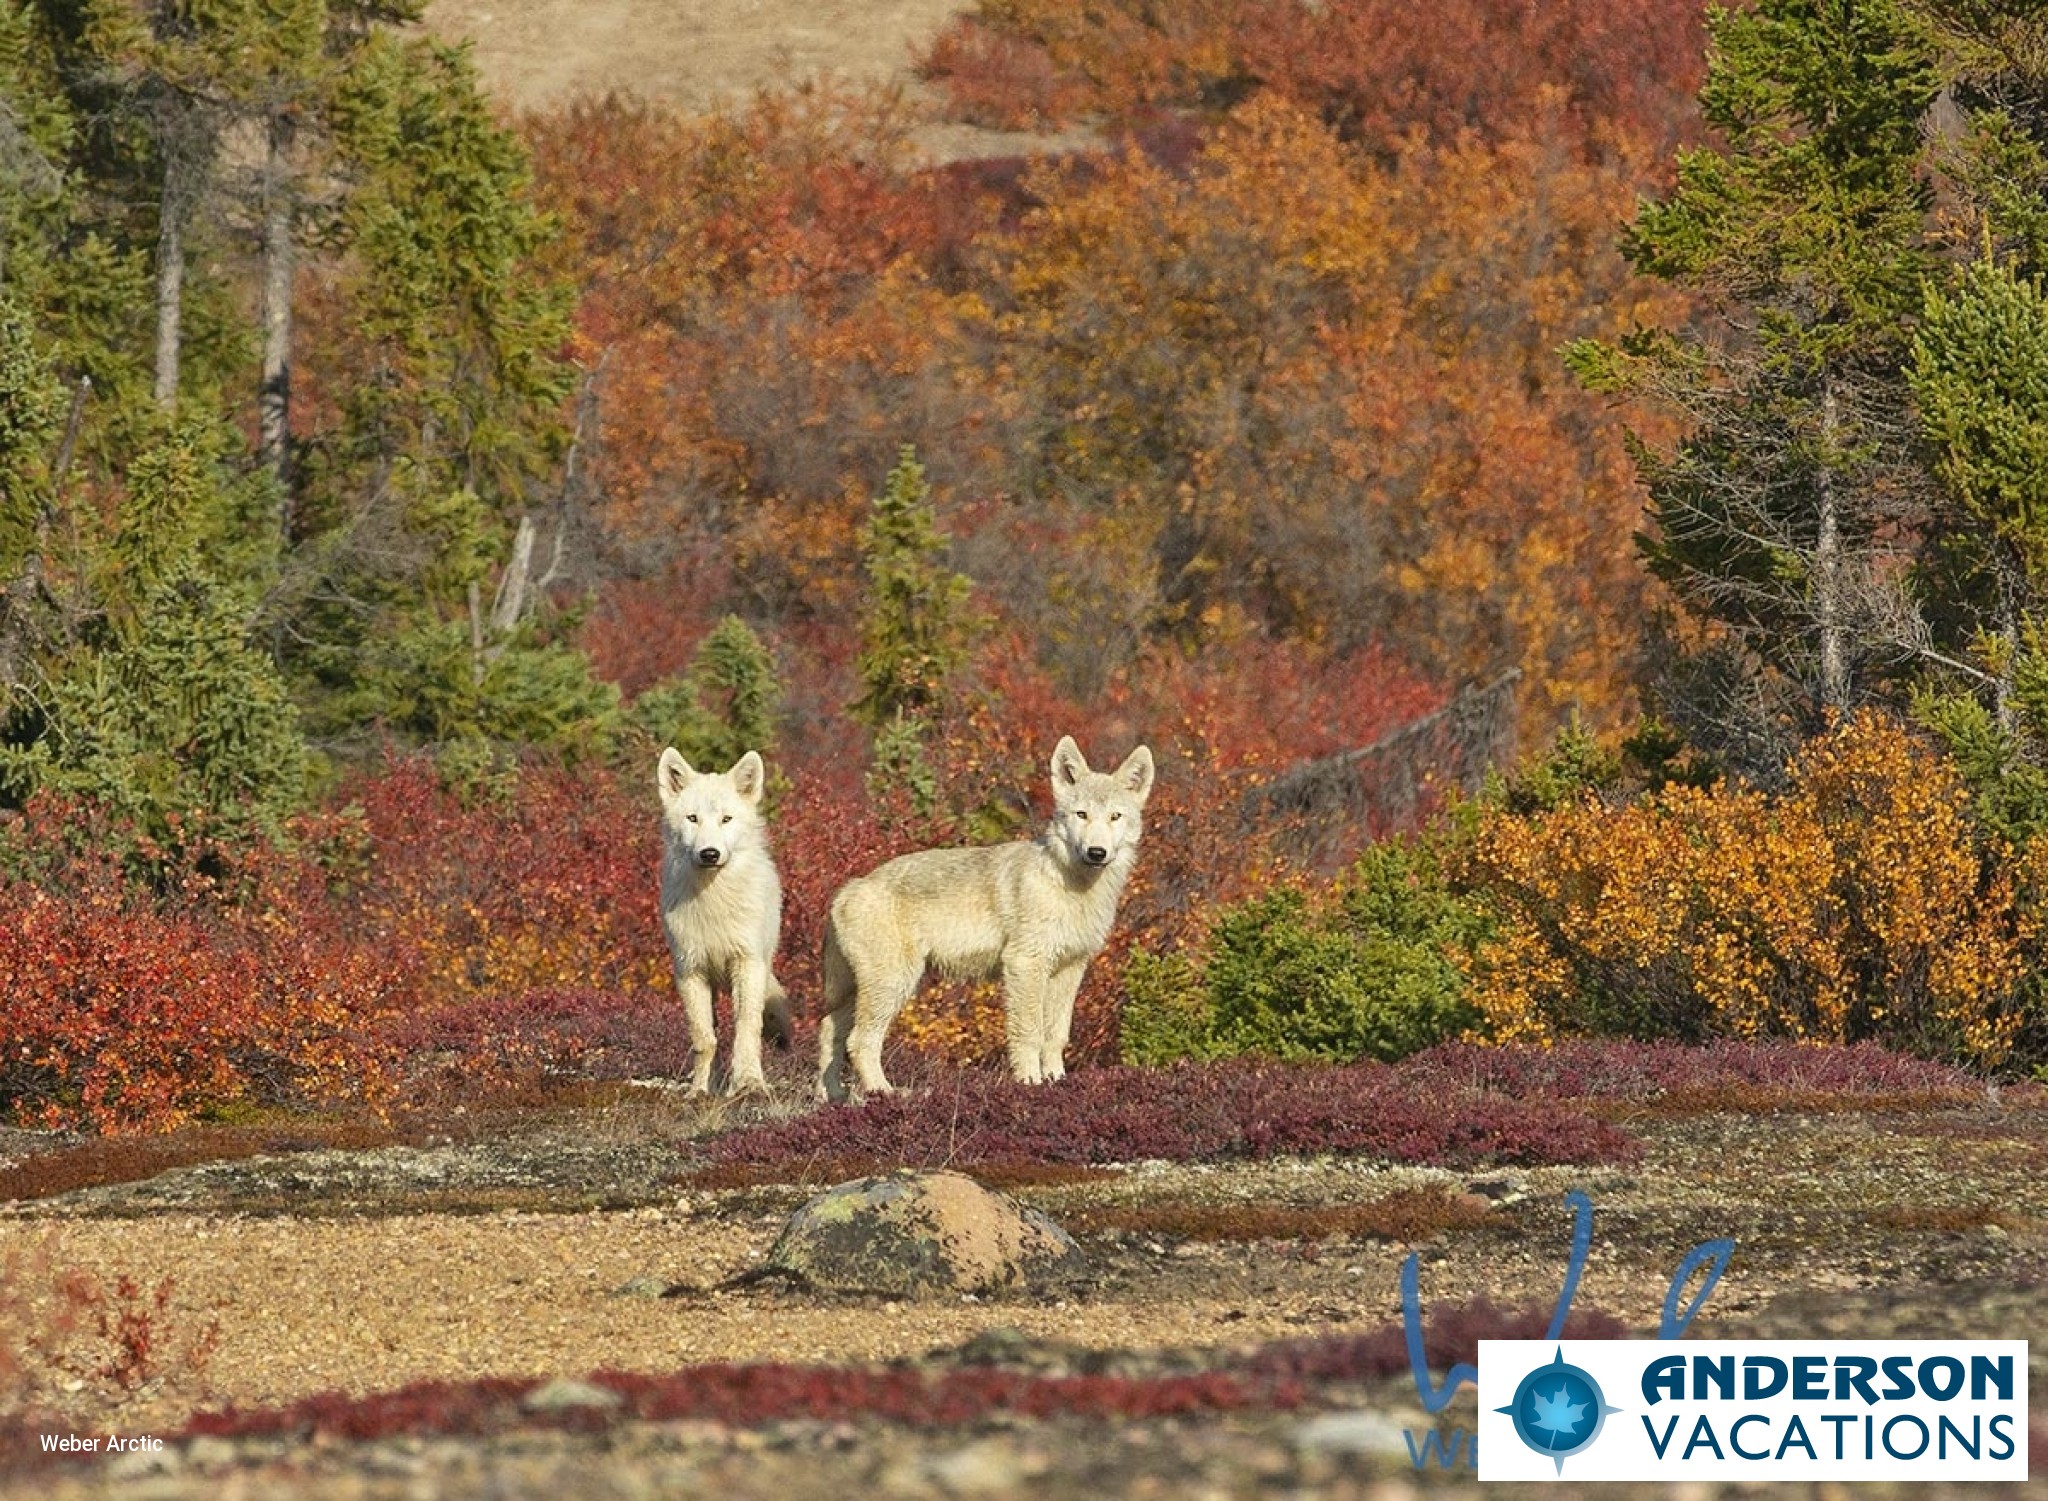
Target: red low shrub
[
  {"x": 999, "y": 81},
  {"x": 1286, "y": 1375},
  {"x": 1614, "y": 1068},
  {"x": 135, "y": 1003},
  {"x": 1194, "y": 1112},
  {"x": 591, "y": 1034},
  {"x": 544, "y": 882}
]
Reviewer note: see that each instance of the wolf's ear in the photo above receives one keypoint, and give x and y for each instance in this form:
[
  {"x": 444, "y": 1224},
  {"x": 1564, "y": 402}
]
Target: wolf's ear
[
  {"x": 749, "y": 776},
  {"x": 1068, "y": 764},
  {"x": 672, "y": 773},
  {"x": 1136, "y": 773}
]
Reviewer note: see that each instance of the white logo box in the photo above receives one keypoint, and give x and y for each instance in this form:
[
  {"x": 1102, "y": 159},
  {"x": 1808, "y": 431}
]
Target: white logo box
[{"x": 1843, "y": 1397}]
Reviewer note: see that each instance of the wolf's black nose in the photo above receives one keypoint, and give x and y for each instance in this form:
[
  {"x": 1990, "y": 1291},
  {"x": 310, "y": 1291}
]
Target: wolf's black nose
[
  {"x": 707, "y": 857},
  {"x": 1097, "y": 855}
]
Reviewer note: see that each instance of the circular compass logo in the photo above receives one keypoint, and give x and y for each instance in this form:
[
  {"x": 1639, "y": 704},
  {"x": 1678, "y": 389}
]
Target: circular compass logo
[{"x": 1558, "y": 1409}]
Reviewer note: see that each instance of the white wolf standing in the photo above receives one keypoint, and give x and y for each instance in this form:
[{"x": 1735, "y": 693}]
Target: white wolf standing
[
  {"x": 1034, "y": 912},
  {"x": 721, "y": 903}
]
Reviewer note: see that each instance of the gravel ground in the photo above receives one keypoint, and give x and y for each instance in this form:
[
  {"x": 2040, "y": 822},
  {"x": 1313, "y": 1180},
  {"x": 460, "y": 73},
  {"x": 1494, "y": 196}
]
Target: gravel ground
[{"x": 319, "y": 1271}]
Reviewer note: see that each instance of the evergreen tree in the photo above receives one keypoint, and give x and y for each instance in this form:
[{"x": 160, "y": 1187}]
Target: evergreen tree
[
  {"x": 1804, "y": 233},
  {"x": 156, "y": 702},
  {"x": 35, "y": 132},
  {"x": 726, "y": 703},
  {"x": 406, "y": 511},
  {"x": 915, "y": 625},
  {"x": 152, "y": 590},
  {"x": 1979, "y": 376}
]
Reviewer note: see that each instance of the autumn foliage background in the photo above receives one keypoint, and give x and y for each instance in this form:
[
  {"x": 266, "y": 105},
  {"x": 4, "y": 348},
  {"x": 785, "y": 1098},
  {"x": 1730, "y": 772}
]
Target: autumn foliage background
[{"x": 1247, "y": 427}]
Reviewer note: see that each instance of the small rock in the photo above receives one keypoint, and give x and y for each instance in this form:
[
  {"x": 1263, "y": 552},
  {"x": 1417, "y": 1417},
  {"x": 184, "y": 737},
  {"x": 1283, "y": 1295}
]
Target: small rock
[
  {"x": 987, "y": 1467},
  {"x": 131, "y": 1465},
  {"x": 1502, "y": 1189},
  {"x": 1353, "y": 1433},
  {"x": 564, "y": 1394},
  {"x": 210, "y": 1453},
  {"x": 642, "y": 1286}
]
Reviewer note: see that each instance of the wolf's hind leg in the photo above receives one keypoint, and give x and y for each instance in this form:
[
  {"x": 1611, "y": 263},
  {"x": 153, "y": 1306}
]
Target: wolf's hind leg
[
  {"x": 837, "y": 1024},
  {"x": 878, "y": 999}
]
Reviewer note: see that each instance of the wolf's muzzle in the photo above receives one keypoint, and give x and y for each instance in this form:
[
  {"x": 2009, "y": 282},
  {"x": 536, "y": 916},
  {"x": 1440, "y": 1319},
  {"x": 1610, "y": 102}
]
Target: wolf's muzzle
[{"x": 1095, "y": 854}]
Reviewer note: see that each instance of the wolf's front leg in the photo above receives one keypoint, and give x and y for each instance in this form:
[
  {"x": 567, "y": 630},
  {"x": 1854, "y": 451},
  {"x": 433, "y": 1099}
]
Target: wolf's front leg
[
  {"x": 750, "y": 985},
  {"x": 1058, "y": 1020},
  {"x": 1025, "y": 983},
  {"x": 694, "y": 986}
]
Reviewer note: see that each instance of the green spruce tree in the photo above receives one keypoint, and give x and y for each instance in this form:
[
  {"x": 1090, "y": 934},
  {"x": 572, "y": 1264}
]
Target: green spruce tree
[
  {"x": 915, "y": 624},
  {"x": 915, "y": 632},
  {"x": 727, "y": 702},
  {"x": 1804, "y": 234}
]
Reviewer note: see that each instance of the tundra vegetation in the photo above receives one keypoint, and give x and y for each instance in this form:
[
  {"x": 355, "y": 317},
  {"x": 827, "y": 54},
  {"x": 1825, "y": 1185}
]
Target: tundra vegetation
[{"x": 386, "y": 480}]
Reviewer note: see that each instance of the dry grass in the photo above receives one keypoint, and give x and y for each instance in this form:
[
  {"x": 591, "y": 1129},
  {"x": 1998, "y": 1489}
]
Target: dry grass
[
  {"x": 1760, "y": 1099},
  {"x": 1406, "y": 1215},
  {"x": 1951, "y": 1219},
  {"x": 689, "y": 53},
  {"x": 130, "y": 1159}
]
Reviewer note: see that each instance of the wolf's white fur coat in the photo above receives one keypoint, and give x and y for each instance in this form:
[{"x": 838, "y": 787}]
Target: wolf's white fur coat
[
  {"x": 1034, "y": 913},
  {"x": 721, "y": 904}
]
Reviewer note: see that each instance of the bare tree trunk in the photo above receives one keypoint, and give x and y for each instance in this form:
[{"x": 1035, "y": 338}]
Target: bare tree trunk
[
  {"x": 274, "y": 393},
  {"x": 170, "y": 287},
  {"x": 185, "y": 136},
  {"x": 510, "y": 601},
  {"x": 2011, "y": 584},
  {"x": 61, "y": 466},
  {"x": 1827, "y": 562},
  {"x": 476, "y": 634}
]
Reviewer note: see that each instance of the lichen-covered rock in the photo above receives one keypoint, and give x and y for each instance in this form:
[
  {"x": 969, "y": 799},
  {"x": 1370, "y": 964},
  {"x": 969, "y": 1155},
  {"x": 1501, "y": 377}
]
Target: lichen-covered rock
[{"x": 919, "y": 1233}]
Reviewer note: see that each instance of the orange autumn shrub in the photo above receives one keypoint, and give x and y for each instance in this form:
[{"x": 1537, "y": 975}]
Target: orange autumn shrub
[{"x": 1858, "y": 903}]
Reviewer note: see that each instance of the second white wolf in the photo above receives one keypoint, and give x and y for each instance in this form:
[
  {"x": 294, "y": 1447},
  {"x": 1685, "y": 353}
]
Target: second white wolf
[
  {"x": 721, "y": 905},
  {"x": 1034, "y": 913}
]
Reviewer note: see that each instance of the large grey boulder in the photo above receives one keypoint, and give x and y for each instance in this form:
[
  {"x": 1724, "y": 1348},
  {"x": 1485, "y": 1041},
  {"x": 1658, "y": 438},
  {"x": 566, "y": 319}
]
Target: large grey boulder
[{"x": 917, "y": 1234}]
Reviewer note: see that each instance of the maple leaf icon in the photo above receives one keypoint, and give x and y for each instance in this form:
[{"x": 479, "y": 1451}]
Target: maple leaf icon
[
  {"x": 1559, "y": 1414},
  {"x": 1563, "y": 1424}
]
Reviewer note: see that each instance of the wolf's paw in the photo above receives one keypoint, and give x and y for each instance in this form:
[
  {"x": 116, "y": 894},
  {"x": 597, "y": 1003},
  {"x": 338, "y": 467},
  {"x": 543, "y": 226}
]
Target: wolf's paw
[{"x": 753, "y": 1086}]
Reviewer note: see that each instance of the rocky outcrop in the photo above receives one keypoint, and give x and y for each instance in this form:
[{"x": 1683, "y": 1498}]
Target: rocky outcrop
[{"x": 918, "y": 1234}]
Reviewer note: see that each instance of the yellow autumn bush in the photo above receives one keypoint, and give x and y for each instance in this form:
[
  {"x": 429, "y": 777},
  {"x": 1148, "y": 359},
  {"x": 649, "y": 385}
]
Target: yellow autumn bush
[{"x": 1859, "y": 902}]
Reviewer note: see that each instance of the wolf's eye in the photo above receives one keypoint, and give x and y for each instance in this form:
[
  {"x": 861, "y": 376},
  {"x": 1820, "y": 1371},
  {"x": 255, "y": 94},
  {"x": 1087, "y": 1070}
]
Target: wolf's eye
[
  {"x": 691, "y": 816},
  {"x": 1080, "y": 815},
  {"x": 1114, "y": 817},
  {"x": 726, "y": 819}
]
